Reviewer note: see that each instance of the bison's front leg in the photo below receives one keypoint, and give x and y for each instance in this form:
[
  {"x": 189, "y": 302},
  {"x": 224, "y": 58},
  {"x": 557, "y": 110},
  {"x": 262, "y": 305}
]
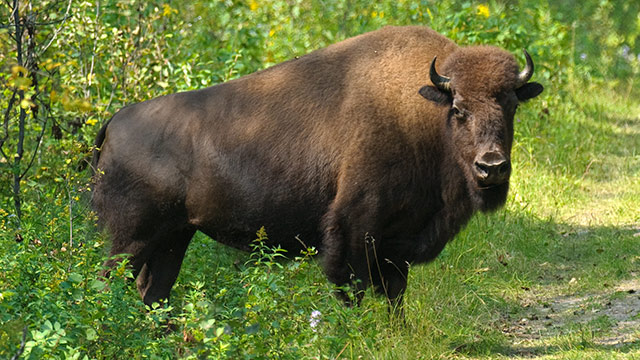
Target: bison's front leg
[
  {"x": 342, "y": 263},
  {"x": 359, "y": 261},
  {"x": 392, "y": 282},
  {"x": 354, "y": 257}
]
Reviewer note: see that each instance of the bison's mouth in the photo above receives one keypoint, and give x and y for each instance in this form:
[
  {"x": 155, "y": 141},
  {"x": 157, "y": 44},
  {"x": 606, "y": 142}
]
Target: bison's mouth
[
  {"x": 492, "y": 196},
  {"x": 482, "y": 186}
]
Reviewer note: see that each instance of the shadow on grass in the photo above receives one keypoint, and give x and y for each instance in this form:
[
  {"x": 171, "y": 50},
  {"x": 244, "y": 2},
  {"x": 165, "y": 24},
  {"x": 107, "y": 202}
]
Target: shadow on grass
[
  {"x": 534, "y": 351},
  {"x": 551, "y": 287}
]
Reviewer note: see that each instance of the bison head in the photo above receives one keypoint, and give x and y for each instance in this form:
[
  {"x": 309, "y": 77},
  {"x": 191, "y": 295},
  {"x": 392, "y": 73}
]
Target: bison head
[{"x": 482, "y": 87}]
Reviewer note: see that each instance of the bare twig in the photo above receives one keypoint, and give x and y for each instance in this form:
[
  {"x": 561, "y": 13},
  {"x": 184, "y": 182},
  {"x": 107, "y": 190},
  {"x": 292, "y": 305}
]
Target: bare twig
[
  {"x": 343, "y": 349},
  {"x": 384, "y": 285},
  {"x": 35, "y": 151},
  {"x": 22, "y": 343},
  {"x": 70, "y": 215},
  {"x": 21, "y": 118},
  {"x": 5, "y": 124},
  {"x": 56, "y": 31}
]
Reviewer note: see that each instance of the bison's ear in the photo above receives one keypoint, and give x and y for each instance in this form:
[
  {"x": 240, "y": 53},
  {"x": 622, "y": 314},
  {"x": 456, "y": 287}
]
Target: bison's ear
[
  {"x": 529, "y": 91},
  {"x": 434, "y": 94}
]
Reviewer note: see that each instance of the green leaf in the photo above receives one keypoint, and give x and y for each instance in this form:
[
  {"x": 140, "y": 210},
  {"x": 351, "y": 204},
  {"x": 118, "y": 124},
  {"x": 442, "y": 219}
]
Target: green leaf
[
  {"x": 91, "y": 334},
  {"x": 75, "y": 277},
  {"x": 97, "y": 285},
  {"x": 219, "y": 331}
]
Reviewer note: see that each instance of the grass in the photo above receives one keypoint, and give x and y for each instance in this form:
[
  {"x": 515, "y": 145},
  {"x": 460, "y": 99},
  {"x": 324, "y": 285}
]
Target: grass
[{"x": 554, "y": 275}]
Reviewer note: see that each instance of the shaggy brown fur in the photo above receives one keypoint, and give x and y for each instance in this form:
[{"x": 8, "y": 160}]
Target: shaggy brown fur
[{"x": 337, "y": 147}]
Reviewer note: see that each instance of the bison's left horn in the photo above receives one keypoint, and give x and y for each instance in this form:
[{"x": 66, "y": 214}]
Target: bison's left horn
[
  {"x": 525, "y": 74},
  {"x": 441, "y": 82}
]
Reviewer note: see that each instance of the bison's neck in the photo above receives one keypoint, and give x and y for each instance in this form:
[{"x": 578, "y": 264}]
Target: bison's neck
[{"x": 454, "y": 208}]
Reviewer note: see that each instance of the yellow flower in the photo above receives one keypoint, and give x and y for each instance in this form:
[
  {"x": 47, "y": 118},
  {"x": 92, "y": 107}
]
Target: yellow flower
[
  {"x": 253, "y": 5},
  {"x": 91, "y": 121},
  {"x": 167, "y": 10},
  {"x": 483, "y": 10}
]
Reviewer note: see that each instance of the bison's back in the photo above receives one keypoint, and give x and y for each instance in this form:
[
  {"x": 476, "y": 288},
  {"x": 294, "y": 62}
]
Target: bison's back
[{"x": 266, "y": 149}]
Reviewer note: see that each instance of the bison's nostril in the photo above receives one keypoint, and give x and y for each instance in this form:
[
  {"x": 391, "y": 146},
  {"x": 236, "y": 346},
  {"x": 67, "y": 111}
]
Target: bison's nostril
[
  {"x": 482, "y": 170},
  {"x": 492, "y": 170},
  {"x": 503, "y": 168}
]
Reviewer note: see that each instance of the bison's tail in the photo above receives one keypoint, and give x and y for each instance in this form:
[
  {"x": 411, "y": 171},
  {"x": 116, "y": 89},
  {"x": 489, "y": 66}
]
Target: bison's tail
[{"x": 96, "y": 147}]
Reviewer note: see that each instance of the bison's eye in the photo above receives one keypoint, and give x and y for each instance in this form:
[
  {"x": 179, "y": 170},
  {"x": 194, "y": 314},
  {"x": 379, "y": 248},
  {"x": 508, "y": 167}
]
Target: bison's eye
[{"x": 458, "y": 113}]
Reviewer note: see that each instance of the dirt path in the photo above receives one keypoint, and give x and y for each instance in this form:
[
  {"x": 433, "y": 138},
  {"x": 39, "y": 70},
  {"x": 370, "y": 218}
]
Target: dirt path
[{"x": 613, "y": 313}]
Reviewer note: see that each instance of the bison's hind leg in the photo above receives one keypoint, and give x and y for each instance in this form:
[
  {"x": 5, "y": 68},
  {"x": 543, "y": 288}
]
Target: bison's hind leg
[
  {"x": 153, "y": 230},
  {"x": 160, "y": 271},
  {"x": 155, "y": 260}
]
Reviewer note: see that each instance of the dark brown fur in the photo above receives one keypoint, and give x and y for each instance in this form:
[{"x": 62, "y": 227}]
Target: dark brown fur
[{"x": 337, "y": 147}]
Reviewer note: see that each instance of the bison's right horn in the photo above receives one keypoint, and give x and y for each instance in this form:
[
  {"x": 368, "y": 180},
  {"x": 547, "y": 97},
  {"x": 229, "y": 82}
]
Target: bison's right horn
[
  {"x": 441, "y": 82},
  {"x": 525, "y": 74}
]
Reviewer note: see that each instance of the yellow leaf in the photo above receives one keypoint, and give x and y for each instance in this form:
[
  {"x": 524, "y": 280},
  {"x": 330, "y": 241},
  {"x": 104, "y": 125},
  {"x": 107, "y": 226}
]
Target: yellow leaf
[
  {"x": 22, "y": 83},
  {"x": 430, "y": 15},
  {"x": 84, "y": 106},
  {"x": 26, "y": 103},
  {"x": 17, "y": 69}
]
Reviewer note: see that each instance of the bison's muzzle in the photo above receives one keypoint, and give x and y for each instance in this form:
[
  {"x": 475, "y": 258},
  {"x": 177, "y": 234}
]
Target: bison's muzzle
[{"x": 491, "y": 168}]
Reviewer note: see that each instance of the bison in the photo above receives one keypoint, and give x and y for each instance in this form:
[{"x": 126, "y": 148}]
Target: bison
[{"x": 360, "y": 149}]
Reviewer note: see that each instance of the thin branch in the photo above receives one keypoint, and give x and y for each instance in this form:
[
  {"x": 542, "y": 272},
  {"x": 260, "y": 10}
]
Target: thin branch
[
  {"x": 22, "y": 344},
  {"x": 35, "y": 151},
  {"x": 19, "y": 31},
  {"x": 14, "y": 8},
  {"x": 52, "y": 22},
  {"x": 21, "y": 118},
  {"x": 55, "y": 32},
  {"x": 5, "y": 125}
]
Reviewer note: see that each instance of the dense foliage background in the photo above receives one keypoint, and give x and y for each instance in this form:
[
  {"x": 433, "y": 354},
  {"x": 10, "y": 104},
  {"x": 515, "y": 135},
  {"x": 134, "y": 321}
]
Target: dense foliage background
[{"x": 66, "y": 66}]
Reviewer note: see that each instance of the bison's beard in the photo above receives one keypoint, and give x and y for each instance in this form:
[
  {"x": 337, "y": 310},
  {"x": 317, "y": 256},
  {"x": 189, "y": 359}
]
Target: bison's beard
[
  {"x": 485, "y": 198},
  {"x": 491, "y": 198}
]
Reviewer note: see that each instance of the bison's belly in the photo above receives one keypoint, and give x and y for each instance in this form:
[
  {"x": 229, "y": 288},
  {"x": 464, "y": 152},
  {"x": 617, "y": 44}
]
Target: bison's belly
[{"x": 232, "y": 213}]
